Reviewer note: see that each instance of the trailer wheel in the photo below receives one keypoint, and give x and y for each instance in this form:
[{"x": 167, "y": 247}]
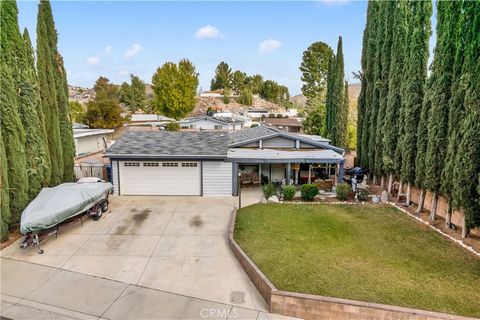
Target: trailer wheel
[
  {"x": 98, "y": 213},
  {"x": 104, "y": 206}
]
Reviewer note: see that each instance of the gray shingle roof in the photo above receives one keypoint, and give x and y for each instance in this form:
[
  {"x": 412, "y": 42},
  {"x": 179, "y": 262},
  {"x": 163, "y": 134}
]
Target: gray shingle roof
[
  {"x": 167, "y": 144},
  {"x": 248, "y": 134}
]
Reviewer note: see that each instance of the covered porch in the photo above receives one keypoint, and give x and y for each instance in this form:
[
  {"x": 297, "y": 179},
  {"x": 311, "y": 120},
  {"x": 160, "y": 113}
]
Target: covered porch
[{"x": 253, "y": 167}]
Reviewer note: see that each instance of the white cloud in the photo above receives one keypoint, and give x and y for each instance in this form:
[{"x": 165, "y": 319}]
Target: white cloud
[
  {"x": 207, "y": 32},
  {"x": 108, "y": 50},
  {"x": 134, "y": 50},
  {"x": 123, "y": 73},
  {"x": 269, "y": 45},
  {"x": 93, "y": 61}
]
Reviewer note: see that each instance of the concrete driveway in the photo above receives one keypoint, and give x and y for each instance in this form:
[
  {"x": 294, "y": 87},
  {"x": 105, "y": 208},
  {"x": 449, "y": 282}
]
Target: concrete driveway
[{"x": 147, "y": 257}]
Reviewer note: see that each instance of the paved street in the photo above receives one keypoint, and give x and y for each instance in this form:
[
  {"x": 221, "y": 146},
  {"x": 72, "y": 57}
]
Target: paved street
[{"x": 148, "y": 257}]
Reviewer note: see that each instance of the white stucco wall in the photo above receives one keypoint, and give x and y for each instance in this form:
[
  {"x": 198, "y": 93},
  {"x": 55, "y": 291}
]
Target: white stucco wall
[{"x": 89, "y": 144}]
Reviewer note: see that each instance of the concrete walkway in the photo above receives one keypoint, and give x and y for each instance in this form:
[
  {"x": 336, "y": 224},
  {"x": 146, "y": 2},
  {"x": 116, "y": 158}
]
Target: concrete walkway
[{"x": 148, "y": 257}]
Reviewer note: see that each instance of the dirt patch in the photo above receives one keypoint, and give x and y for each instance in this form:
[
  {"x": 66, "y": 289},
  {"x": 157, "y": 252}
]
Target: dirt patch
[
  {"x": 12, "y": 237},
  {"x": 196, "y": 222},
  {"x": 134, "y": 210}
]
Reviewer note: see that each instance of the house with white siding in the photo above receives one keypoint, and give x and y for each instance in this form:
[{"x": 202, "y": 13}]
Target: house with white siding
[
  {"x": 90, "y": 141},
  {"x": 218, "y": 162}
]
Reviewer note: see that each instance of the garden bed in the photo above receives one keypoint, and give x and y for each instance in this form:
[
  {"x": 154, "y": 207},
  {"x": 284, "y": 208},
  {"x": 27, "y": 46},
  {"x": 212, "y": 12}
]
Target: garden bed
[{"x": 370, "y": 253}]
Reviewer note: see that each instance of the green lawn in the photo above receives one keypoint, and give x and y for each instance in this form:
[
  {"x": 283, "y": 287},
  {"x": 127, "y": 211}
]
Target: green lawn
[{"x": 369, "y": 253}]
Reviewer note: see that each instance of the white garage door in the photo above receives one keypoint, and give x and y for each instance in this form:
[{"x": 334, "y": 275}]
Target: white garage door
[
  {"x": 217, "y": 178},
  {"x": 160, "y": 178}
]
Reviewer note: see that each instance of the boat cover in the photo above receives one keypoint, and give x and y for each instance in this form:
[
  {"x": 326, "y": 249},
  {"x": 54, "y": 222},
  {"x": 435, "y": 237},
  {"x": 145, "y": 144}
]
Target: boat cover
[{"x": 54, "y": 205}]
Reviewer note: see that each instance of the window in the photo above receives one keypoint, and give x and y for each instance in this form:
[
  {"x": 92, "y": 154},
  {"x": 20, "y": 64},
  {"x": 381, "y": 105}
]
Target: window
[
  {"x": 131, "y": 164},
  {"x": 217, "y": 127},
  {"x": 169, "y": 164},
  {"x": 151, "y": 164},
  {"x": 189, "y": 164}
]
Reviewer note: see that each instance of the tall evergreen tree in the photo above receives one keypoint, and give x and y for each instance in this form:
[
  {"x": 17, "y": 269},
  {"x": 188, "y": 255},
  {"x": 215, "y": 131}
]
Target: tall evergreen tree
[
  {"x": 369, "y": 79},
  {"x": 466, "y": 178},
  {"x": 12, "y": 129},
  {"x": 394, "y": 97},
  {"x": 314, "y": 68},
  {"x": 4, "y": 197},
  {"x": 456, "y": 108},
  {"x": 330, "y": 100},
  {"x": 223, "y": 77},
  {"x": 422, "y": 143},
  {"x": 441, "y": 82},
  {"x": 133, "y": 94},
  {"x": 361, "y": 104},
  {"x": 43, "y": 154},
  {"x": 46, "y": 42},
  {"x": 342, "y": 119},
  {"x": 380, "y": 37},
  {"x": 415, "y": 76},
  {"x": 385, "y": 55}
]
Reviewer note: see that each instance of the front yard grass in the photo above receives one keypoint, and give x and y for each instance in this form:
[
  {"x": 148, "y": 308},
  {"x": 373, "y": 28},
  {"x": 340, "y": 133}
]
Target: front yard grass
[{"x": 370, "y": 253}]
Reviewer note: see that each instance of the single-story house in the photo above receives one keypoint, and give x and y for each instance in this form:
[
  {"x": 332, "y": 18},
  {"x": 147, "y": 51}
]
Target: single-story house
[
  {"x": 257, "y": 113},
  {"x": 211, "y": 123},
  {"x": 144, "y": 119},
  {"x": 286, "y": 124},
  {"x": 214, "y": 162},
  {"x": 89, "y": 141}
]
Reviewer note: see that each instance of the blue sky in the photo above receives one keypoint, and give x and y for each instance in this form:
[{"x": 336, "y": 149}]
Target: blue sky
[{"x": 116, "y": 38}]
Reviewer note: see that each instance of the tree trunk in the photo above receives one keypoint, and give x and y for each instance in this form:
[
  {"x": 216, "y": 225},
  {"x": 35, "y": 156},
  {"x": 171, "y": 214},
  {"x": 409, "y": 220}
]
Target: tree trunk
[
  {"x": 390, "y": 183},
  {"x": 409, "y": 194},
  {"x": 448, "y": 216},
  {"x": 464, "y": 229},
  {"x": 374, "y": 181},
  {"x": 400, "y": 187},
  {"x": 382, "y": 182},
  {"x": 433, "y": 211},
  {"x": 421, "y": 202}
]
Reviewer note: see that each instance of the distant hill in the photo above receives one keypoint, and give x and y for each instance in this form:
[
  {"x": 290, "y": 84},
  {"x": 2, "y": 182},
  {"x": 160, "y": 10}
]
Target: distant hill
[
  {"x": 353, "y": 93},
  {"x": 216, "y": 104}
]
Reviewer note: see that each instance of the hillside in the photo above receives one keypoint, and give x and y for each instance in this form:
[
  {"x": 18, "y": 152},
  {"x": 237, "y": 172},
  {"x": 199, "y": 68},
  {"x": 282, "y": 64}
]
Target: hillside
[
  {"x": 353, "y": 93},
  {"x": 216, "y": 104}
]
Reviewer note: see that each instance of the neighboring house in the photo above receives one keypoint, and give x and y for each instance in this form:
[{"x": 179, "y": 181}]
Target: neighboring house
[
  {"x": 211, "y": 94},
  {"x": 89, "y": 141},
  {"x": 211, "y": 123},
  {"x": 286, "y": 124},
  {"x": 257, "y": 113},
  {"x": 142, "y": 119},
  {"x": 213, "y": 162}
]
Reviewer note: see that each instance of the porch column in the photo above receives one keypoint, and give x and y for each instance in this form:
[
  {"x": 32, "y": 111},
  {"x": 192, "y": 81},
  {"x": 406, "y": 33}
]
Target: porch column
[
  {"x": 289, "y": 172},
  {"x": 235, "y": 178},
  {"x": 340, "y": 173}
]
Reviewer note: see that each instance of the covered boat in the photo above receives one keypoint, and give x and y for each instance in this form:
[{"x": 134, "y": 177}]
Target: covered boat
[{"x": 54, "y": 205}]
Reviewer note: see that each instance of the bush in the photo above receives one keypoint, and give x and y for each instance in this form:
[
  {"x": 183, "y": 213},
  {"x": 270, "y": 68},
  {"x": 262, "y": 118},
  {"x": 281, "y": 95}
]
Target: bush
[
  {"x": 343, "y": 190},
  {"x": 309, "y": 191},
  {"x": 268, "y": 190},
  {"x": 172, "y": 126},
  {"x": 288, "y": 192},
  {"x": 363, "y": 195}
]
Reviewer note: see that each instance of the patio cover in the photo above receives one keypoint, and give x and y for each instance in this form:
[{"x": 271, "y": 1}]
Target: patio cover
[{"x": 247, "y": 155}]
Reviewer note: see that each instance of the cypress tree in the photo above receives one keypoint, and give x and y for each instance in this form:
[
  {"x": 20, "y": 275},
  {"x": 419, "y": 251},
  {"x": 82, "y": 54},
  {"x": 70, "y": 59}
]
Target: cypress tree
[
  {"x": 4, "y": 198},
  {"x": 385, "y": 54},
  {"x": 12, "y": 130},
  {"x": 27, "y": 95},
  {"x": 415, "y": 76},
  {"x": 456, "y": 109},
  {"x": 46, "y": 41},
  {"x": 422, "y": 143},
  {"x": 340, "y": 116},
  {"x": 342, "y": 119},
  {"x": 329, "y": 99},
  {"x": 466, "y": 178},
  {"x": 441, "y": 82},
  {"x": 368, "y": 74},
  {"x": 394, "y": 96},
  {"x": 37, "y": 104}
]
